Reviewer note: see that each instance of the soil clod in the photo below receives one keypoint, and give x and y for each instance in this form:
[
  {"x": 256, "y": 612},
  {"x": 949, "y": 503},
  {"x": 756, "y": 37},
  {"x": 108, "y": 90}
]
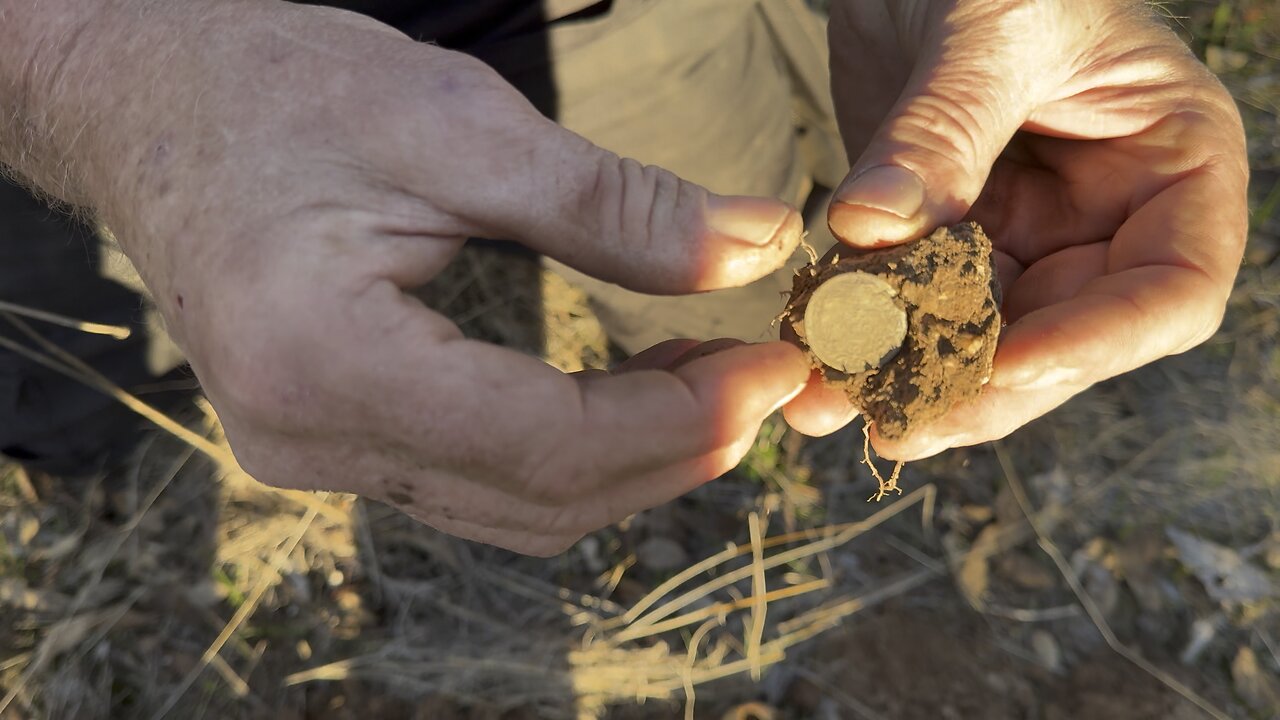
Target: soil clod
[{"x": 908, "y": 331}]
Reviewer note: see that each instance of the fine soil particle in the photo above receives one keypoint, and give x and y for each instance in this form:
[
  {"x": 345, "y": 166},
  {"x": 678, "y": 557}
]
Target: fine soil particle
[{"x": 946, "y": 283}]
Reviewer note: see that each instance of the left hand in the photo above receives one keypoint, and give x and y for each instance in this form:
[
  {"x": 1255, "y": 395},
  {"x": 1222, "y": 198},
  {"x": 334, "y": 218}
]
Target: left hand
[
  {"x": 1105, "y": 161},
  {"x": 279, "y": 223}
]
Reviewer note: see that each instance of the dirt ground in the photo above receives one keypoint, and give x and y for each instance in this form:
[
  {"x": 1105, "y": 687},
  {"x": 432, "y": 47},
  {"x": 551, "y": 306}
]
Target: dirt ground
[{"x": 1119, "y": 558}]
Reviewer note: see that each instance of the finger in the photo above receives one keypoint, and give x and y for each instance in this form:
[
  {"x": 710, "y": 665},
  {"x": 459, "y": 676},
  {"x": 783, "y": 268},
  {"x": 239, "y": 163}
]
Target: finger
[
  {"x": 1074, "y": 193},
  {"x": 501, "y": 417},
  {"x": 503, "y": 170},
  {"x": 707, "y": 404},
  {"x": 1170, "y": 271},
  {"x": 633, "y": 472},
  {"x": 595, "y": 506},
  {"x": 980, "y": 74},
  {"x": 646, "y": 229},
  {"x": 449, "y": 502},
  {"x": 1115, "y": 324},
  {"x": 820, "y": 409},
  {"x": 1031, "y": 211},
  {"x": 665, "y": 484},
  {"x": 1053, "y": 280},
  {"x": 563, "y": 482},
  {"x": 995, "y": 414}
]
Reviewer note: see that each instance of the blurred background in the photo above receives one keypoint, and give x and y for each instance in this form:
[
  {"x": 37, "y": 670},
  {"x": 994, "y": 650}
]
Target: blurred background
[{"x": 1119, "y": 558}]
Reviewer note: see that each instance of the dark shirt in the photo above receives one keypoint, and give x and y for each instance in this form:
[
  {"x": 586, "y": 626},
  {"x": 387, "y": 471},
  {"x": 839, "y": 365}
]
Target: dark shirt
[
  {"x": 509, "y": 35},
  {"x": 459, "y": 24}
]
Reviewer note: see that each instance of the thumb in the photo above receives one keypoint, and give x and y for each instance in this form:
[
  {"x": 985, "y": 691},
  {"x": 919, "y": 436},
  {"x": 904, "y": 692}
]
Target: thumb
[
  {"x": 509, "y": 173},
  {"x": 645, "y": 228},
  {"x": 929, "y": 159}
]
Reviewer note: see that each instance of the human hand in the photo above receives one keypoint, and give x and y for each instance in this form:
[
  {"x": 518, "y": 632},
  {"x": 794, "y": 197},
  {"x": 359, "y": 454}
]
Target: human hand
[
  {"x": 1106, "y": 163},
  {"x": 291, "y": 171}
]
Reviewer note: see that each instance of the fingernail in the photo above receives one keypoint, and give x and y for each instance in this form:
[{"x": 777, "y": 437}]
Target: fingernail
[
  {"x": 888, "y": 188},
  {"x": 754, "y": 221}
]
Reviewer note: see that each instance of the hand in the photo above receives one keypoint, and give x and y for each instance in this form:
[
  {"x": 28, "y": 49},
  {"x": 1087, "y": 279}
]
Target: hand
[
  {"x": 292, "y": 171},
  {"x": 1107, "y": 164}
]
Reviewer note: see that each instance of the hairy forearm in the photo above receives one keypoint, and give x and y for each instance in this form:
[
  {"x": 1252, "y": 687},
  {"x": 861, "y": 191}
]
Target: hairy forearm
[
  {"x": 126, "y": 109},
  {"x": 90, "y": 89},
  {"x": 40, "y": 48}
]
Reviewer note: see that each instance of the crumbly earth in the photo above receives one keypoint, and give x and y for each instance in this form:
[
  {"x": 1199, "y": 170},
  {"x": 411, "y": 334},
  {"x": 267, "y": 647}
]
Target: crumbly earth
[{"x": 948, "y": 286}]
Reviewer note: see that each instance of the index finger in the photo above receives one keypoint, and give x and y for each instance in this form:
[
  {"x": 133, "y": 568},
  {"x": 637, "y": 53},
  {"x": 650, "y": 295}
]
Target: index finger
[{"x": 513, "y": 422}]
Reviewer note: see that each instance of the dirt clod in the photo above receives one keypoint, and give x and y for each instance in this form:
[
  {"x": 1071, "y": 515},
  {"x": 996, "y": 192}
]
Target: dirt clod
[{"x": 946, "y": 285}]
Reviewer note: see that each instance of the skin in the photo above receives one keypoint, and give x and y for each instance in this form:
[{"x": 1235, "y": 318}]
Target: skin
[
  {"x": 280, "y": 174},
  {"x": 1106, "y": 163}
]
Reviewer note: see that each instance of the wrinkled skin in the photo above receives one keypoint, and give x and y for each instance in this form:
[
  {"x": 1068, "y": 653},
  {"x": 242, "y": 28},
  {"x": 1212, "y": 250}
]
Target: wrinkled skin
[{"x": 1107, "y": 164}]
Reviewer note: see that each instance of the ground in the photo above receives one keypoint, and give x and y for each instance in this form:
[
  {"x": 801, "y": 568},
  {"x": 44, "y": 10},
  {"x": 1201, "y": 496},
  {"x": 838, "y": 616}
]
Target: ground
[{"x": 1146, "y": 584}]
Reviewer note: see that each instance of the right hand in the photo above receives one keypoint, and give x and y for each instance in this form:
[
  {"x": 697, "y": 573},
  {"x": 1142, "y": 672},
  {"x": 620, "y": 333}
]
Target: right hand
[
  {"x": 291, "y": 171},
  {"x": 1106, "y": 163}
]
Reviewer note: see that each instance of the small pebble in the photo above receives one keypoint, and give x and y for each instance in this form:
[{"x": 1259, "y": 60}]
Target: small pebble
[{"x": 1047, "y": 649}]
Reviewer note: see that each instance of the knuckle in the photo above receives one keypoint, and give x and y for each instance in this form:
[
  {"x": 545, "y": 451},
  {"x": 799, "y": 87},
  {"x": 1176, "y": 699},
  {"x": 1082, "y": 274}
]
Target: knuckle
[
  {"x": 947, "y": 127},
  {"x": 1206, "y": 136},
  {"x": 630, "y": 205},
  {"x": 604, "y": 197},
  {"x": 457, "y": 73},
  {"x": 618, "y": 194}
]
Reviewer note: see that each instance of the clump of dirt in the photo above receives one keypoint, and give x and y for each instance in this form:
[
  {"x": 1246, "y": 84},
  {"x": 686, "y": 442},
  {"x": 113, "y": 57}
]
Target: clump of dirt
[{"x": 946, "y": 287}]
